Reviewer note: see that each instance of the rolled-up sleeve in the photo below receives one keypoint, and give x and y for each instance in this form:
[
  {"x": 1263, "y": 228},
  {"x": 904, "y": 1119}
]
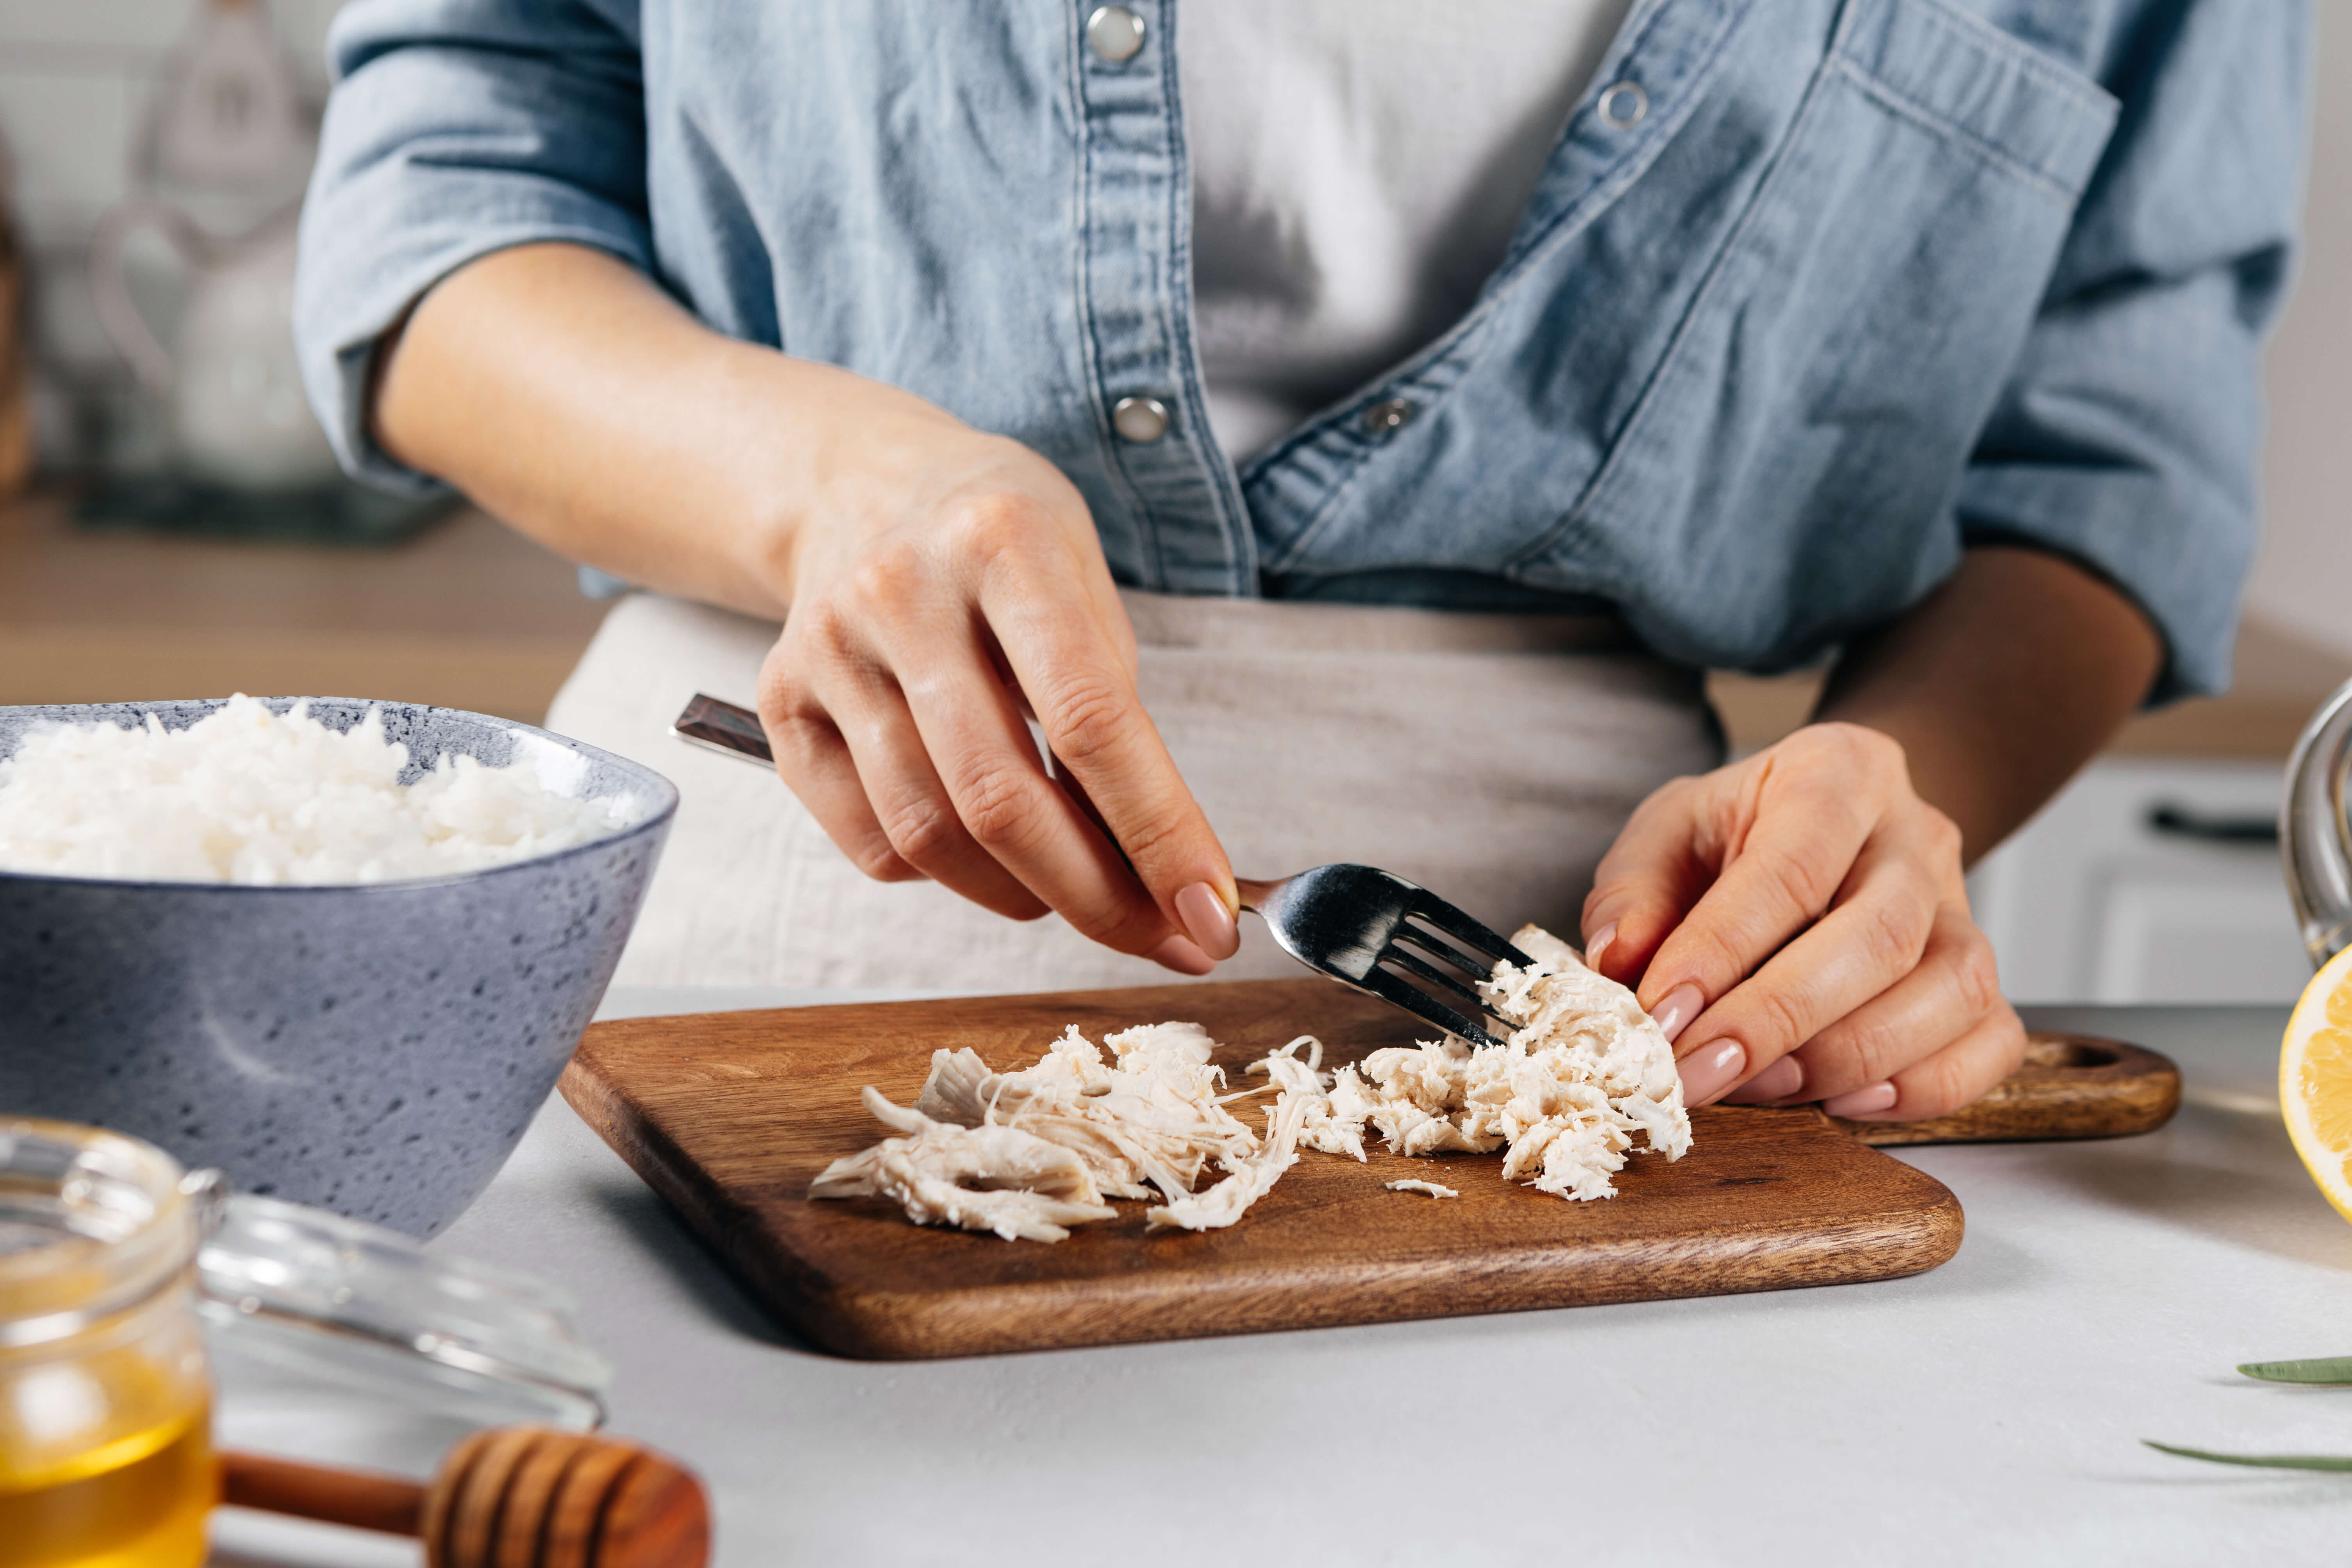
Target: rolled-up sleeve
[
  {"x": 2127, "y": 438},
  {"x": 457, "y": 128}
]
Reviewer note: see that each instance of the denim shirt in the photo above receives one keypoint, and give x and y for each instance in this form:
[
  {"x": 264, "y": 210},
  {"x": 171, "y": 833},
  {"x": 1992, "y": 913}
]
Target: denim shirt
[{"x": 1812, "y": 294}]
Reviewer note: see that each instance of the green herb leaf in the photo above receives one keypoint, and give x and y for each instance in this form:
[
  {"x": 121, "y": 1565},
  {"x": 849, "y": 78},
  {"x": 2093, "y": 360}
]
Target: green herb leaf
[
  {"x": 2340, "y": 1464},
  {"x": 2326, "y": 1369}
]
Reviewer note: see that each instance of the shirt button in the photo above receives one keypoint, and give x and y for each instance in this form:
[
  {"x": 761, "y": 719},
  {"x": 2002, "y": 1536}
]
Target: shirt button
[
  {"x": 1389, "y": 414},
  {"x": 1141, "y": 420},
  {"x": 1115, "y": 33},
  {"x": 1623, "y": 105}
]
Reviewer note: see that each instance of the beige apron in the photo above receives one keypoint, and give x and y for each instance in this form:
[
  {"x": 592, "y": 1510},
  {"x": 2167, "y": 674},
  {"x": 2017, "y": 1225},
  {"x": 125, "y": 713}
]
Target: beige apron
[{"x": 1490, "y": 758}]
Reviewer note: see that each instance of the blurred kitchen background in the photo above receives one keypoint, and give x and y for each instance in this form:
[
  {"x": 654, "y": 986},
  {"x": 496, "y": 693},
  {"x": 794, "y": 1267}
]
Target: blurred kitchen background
[
  {"x": 183, "y": 534},
  {"x": 186, "y": 532}
]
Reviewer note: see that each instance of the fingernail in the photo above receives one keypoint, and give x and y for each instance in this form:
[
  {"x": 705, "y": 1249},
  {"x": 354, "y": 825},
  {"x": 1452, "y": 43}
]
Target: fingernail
[
  {"x": 1182, "y": 956},
  {"x": 1868, "y": 1102},
  {"x": 1674, "y": 1015},
  {"x": 1598, "y": 945},
  {"x": 1706, "y": 1071},
  {"x": 1210, "y": 923},
  {"x": 1778, "y": 1081}
]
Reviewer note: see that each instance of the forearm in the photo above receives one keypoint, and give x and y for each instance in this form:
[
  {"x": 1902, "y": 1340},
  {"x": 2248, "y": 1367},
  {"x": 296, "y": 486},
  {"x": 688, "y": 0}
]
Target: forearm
[
  {"x": 564, "y": 392},
  {"x": 1999, "y": 685}
]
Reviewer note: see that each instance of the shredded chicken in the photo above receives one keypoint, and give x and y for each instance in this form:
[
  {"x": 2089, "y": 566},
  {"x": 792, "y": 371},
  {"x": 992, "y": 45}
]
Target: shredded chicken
[
  {"x": 1152, "y": 1114},
  {"x": 1150, "y": 1121},
  {"x": 980, "y": 1178},
  {"x": 1432, "y": 1188},
  {"x": 1252, "y": 1177},
  {"x": 1585, "y": 1068},
  {"x": 1027, "y": 1154}
]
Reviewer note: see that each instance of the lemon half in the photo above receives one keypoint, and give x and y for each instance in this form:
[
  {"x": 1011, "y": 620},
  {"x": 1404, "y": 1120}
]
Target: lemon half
[{"x": 2315, "y": 1079}]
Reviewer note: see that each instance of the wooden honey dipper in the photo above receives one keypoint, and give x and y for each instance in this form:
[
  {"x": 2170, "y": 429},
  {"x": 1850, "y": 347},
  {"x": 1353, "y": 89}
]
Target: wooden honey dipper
[{"x": 511, "y": 1497}]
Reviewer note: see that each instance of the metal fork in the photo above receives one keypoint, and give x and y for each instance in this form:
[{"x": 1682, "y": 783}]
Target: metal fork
[
  {"x": 1368, "y": 929},
  {"x": 1371, "y": 929}
]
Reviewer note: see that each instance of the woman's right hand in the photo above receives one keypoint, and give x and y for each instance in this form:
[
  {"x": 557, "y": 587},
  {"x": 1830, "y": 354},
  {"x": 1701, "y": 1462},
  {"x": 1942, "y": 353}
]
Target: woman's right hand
[
  {"x": 948, "y": 586},
  {"x": 937, "y": 584}
]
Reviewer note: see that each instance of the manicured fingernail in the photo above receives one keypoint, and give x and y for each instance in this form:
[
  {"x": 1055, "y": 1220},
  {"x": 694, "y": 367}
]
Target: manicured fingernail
[
  {"x": 1778, "y": 1081},
  {"x": 1868, "y": 1102},
  {"x": 1209, "y": 921},
  {"x": 1598, "y": 945},
  {"x": 1707, "y": 1070},
  {"x": 1181, "y": 954},
  {"x": 1674, "y": 1015}
]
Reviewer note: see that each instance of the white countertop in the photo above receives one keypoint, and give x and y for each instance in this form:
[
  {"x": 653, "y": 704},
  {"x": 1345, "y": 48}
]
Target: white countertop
[{"x": 1988, "y": 1410}]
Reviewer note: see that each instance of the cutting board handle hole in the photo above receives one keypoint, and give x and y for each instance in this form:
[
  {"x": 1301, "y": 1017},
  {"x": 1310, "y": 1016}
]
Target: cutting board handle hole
[{"x": 2064, "y": 1053}]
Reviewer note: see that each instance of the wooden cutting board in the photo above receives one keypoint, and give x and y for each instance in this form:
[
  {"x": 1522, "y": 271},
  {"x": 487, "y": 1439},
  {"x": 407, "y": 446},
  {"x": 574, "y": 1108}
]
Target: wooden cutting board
[{"x": 730, "y": 1115}]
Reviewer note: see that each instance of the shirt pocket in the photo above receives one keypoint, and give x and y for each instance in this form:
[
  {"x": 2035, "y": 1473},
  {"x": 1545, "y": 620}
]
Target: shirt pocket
[{"x": 1787, "y": 475}]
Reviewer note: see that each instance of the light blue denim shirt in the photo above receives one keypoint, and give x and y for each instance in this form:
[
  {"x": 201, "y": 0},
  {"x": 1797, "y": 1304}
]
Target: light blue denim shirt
[{"x": 1842, "y": 288}]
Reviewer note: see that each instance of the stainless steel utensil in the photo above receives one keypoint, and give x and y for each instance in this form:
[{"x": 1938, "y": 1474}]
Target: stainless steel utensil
[
  {"x": 1368, "y": 929},
  {"x": 1373, "y": 930},
  {"x": 2316, "y": 829}
]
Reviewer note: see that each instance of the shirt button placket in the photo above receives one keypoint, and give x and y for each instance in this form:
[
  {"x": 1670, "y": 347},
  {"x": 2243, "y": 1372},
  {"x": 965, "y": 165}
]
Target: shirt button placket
[
  {"x": 1173, "y": 521},
  {"x": 1115, "y": 36},
  {"x": 1170, "y": 513}
]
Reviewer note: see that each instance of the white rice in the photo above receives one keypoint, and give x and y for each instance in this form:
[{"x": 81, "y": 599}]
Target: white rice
[{"x": 246, "y": 796}]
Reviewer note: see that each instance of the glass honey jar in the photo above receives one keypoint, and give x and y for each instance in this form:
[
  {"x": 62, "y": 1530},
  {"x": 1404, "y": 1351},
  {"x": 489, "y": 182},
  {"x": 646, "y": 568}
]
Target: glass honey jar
[{"x": 105, "y": 1394}]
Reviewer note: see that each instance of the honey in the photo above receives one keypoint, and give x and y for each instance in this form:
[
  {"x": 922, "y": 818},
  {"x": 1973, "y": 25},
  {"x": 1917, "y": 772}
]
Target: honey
[
  {"x": 105, "y": 1393},
  {"x": 139, "y": 1502}
]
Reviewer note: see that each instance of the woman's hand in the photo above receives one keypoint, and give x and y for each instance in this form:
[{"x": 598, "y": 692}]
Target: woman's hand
[
  {"x": 937, "y": 584},
  {"x": 1798, "y": 923},
  {"x": 953, "y": 588}
]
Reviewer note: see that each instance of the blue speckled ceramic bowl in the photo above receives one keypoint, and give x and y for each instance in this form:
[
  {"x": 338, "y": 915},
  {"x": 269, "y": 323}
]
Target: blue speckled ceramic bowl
[{"x": 376, "y": 1050}]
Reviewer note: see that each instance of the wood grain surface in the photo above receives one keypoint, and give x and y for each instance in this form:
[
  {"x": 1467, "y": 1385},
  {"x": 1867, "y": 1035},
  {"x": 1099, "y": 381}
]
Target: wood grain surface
[
  {"x": 2072, "y": 1086},
  {"x": 730, "y": 1115}
]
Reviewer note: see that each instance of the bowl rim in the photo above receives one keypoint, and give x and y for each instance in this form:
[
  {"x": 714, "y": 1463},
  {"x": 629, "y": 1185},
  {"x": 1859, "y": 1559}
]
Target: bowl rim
[{"x": 664, "y": 791}]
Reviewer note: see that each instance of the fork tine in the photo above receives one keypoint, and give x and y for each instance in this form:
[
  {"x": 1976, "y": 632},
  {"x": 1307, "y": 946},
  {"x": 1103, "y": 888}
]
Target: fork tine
[
  {"x": 1444, "y": 949},
  {"x": 1428, "y": 906},
  {"x": 1351, "y": 923},
  {"x": 1404, "y": 959},
  {"x": 1393, "y": 989}
]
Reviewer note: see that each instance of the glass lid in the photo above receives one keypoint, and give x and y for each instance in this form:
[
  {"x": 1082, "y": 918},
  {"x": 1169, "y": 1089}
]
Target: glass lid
[{"x": 307, "y": 1294}]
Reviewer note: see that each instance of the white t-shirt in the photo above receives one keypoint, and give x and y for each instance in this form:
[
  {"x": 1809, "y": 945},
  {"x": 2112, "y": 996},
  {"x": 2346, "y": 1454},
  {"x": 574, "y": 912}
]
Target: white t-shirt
[{"x": 1358, "y": 167}]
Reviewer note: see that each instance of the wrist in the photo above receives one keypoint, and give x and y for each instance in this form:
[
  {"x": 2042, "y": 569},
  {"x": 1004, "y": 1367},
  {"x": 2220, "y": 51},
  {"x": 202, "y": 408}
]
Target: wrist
[{"x": 837, "y": 458}]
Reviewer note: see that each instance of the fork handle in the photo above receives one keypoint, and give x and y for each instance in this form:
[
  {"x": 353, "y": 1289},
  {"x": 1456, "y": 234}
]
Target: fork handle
[{"x": 737, "y": 730}]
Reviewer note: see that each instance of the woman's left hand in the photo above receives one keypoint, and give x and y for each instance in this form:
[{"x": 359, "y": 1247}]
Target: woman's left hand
[{"x": 1799, "y": 924}]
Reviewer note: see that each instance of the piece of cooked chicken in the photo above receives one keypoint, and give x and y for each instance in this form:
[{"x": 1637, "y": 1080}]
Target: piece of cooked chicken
[
  {"x": 1253, "y": 1176},
  {"x": 1431, "y": 1189},
  {"x": 1585, "y": 1068},
  {"x": 1153, "y": 1113},
  {"x": 978, "y": 1178}
]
